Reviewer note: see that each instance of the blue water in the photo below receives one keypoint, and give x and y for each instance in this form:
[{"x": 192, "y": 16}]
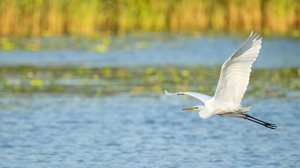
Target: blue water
[
  {"x": 148, "y": 130},
  {"x": 159, "y": 49},
  {"x": 127, "y": 131}
]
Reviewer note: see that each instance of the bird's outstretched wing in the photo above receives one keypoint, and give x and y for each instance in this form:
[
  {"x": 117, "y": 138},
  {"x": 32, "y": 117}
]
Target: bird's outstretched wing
[
  {"x": 199, "y": 96},
  {"x": 235, "y": 72}
]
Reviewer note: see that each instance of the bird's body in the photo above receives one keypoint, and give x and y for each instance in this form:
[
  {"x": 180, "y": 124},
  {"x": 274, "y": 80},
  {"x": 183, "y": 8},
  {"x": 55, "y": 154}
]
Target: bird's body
[
  {"x": 212, "y": 107},
  {"x": 232, "y": 85}
]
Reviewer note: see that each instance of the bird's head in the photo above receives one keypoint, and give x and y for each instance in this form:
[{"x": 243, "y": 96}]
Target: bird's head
[
  {"x": 198, "y": 108},
  {"x": 203, "y": 111}
]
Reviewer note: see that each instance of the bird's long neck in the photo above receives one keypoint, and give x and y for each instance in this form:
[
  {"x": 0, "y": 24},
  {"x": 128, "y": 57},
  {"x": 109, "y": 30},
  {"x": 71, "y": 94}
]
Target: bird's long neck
[{"x": 205, "y": 113}]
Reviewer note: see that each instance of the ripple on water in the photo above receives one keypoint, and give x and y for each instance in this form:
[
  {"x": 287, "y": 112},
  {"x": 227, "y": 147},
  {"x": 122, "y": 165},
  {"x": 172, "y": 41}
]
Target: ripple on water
[{"x": 94, "y": 132}]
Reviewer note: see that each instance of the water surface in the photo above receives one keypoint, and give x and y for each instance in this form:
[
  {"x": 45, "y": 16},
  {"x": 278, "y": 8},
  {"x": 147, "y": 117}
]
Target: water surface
[
  {"x": 148, "y": 49},
  {"x": 100, "y": 104},
  {"x": 125, "y": 131}
]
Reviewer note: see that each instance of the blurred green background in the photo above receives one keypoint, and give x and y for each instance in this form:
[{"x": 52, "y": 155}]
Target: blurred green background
[{"x": 98, "y": 17}]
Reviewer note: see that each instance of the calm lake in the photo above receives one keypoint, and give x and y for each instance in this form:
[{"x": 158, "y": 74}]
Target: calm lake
[{"x": 100, "y": 103}]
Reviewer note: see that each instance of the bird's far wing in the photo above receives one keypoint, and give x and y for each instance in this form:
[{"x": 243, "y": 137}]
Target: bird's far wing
[
  {"x": 199, "y": 96},
  {"x": 235, "y": 72}
]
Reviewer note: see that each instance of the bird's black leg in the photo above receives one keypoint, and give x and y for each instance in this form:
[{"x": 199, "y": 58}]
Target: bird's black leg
[
  {"x": 249, "y": 119},
  {"x": 268, "y": 125},
  {"x": 258, "y": 121},
  {"x": 249, "y": 116}
]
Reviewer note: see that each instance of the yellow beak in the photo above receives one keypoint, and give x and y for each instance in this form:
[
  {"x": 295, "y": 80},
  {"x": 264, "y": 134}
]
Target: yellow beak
[{"x": 190, "y": 108}]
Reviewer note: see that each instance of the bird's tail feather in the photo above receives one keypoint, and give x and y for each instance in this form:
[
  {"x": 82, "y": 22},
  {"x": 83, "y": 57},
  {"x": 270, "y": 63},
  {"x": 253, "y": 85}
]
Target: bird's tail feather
[
  {"x": 168, "y": 93},
  {"x": 246, "y": 109}
]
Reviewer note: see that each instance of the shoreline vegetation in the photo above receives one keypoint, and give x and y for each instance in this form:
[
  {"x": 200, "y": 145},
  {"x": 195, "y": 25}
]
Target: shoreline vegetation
[
  {"x": 117, "y": 17},
  {"x": 106, "y": 81}
]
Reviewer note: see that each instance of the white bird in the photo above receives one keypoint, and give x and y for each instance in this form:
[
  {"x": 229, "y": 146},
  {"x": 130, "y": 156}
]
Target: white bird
[{"x": 232, "y": 85}]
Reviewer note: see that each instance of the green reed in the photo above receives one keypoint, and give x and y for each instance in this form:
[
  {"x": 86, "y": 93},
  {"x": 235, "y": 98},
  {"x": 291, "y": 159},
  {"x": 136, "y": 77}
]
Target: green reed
[{"x": 98, "y": 17}]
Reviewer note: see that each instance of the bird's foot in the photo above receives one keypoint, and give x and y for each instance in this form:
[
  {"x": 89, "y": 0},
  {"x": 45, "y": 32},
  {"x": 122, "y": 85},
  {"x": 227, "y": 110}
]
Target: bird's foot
[
  {"x": 258, "y": 121},
  {"x": 270, "y": 125}
]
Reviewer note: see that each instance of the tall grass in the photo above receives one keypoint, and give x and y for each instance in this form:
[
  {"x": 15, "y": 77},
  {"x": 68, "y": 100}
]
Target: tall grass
[{"x": 94, "y": 17}]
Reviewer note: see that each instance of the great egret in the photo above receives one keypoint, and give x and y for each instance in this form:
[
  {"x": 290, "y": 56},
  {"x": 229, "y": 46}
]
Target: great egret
[{"x": 232, "y": 85}]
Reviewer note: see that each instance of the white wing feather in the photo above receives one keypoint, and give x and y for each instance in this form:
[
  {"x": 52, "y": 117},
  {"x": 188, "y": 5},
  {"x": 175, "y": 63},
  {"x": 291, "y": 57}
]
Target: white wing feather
[
  {"x": 199, "y": 96},
  {"x": 235, "y": 72}
]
